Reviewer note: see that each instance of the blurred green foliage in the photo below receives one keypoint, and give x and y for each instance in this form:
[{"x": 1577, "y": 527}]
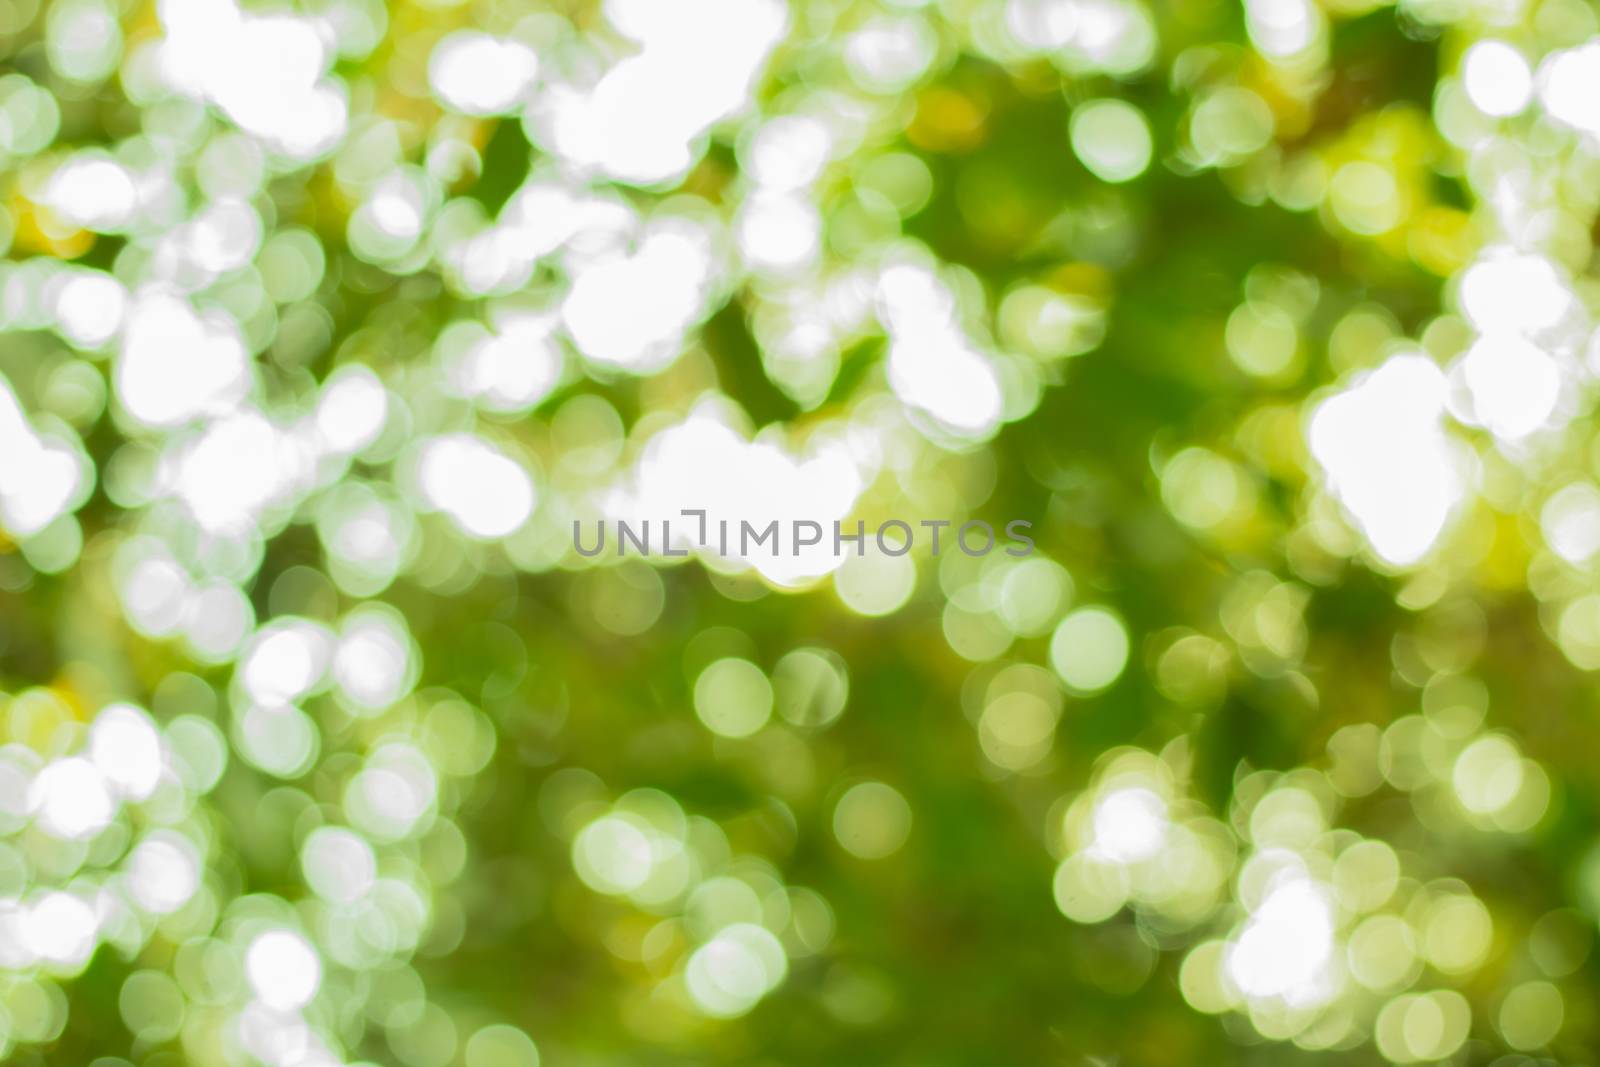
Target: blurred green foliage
[{"x": 323, "y": 323}]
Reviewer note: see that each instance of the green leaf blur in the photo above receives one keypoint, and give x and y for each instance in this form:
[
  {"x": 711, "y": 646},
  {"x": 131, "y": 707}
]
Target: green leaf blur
[{"x": 325, "y": 323}]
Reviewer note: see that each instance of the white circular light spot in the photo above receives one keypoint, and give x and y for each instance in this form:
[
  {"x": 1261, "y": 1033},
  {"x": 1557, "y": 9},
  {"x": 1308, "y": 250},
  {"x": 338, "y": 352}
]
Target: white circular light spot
[
  {"x": 69, "y": 798},
  {"x": 1129, "y": 825},
  {"x": 283, "y": 969},
  {"x": 126, "y": 748},
  {"x": 163, "y": 872},
  {"x": 477, "y": 74},
  {"x": 1497, "y": 78},
  {"x": 60, "y": 929},
  {"x": 483, "y": 490}
]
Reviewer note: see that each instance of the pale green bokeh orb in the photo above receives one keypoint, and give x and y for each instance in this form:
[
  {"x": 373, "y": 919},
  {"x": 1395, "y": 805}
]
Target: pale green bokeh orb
[
  {"x": 1112, "y": 138},
  {"x": 1089, "y": 650}
]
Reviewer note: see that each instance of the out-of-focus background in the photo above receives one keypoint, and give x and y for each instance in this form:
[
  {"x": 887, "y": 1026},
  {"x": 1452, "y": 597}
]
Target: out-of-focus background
[{"x": 324, "y": 321}]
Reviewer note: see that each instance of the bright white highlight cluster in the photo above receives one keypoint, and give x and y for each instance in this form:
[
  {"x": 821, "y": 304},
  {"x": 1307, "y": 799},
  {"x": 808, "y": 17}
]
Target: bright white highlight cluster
[
  {"x": 94, "y": 192},
  {"x": 236, "y": 469},
  {"x": 511, "y": 368},
  {"x": 629, "y": 309},
  {"x": 1514, "y": 385},
  {"x": 1287, "y": 943},
  {"x": 640, "y": 122},
  {"x": 1569, "y": 87},
  {"x": 90, "y": 805},
  {"x": 484, "y": 491},
  {"x": 933, "y": 366},
  {"x": 1383, "y": 446},
  {"x": 70, "y": 799},
  {"x": 126, "y": 749},
  {"x": 351, "y": 409},
  {"x": 480, "y": 75},
  {"x": 89, "y": 306},
  {"x": 1497, "y": 78},
  {"x": 1509, "y": 292},
  {"x": 374, "y": 664},
  {"x": 1130, "y": 825},
  {"x": 41, "y": 477},
  {"x": 176, "y": 366},
  {"x": 163, "y": 872},
  {"x": 284, "y": 661},
  {"x": 268, "y": 73},
  {"x": 1127, "y": 843},
  {"x": 283, "y": 970},
  {"x": 60, "y": 929},
  {"x": 755, "y": 481}
]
